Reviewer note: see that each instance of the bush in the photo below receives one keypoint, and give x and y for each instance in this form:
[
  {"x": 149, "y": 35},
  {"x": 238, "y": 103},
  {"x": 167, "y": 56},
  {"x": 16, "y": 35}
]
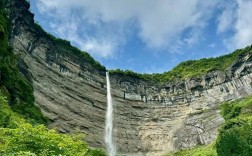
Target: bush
[
  {"x": 7, "y": 117},
  {"x": 95, "y": 152},
  {"x": 229, "y": 111},
  {"x": 235, "y": 141},
  {"x": 197, "y": 151},
  {"x": 40, "y": 140},
  {"x": 17, "y": 137},
  {"x": 235, "y": 136}
]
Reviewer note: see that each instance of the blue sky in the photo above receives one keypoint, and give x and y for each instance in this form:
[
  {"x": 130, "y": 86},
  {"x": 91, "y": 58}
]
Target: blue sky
[{"x": 148, "y": 36}]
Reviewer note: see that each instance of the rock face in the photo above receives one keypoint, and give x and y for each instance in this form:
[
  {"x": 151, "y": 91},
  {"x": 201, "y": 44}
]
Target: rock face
[
  {"x": 69, "y": 91},
  {"x": 153, "y": 119},
  {"x": 149, "y": 119}
]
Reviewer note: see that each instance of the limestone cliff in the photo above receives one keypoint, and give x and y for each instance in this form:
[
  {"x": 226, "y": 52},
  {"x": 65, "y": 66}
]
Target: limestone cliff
[{"x": 150, "y": 118}]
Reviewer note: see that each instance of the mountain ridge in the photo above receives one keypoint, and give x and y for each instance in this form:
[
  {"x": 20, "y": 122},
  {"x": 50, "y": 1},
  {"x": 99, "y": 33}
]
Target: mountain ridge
[
  {"x": 191, "y": 68},
  {"x": 176, "y": 73},
  {"x": 150, "y": 118}
]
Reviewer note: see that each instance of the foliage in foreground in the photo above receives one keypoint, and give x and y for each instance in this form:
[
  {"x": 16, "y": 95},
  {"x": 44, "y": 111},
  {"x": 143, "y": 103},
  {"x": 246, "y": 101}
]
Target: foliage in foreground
[
  {"x": 235, "y": 136},
  {"x": 17, "y": 137},
  {"x": 41, "y": 141}
]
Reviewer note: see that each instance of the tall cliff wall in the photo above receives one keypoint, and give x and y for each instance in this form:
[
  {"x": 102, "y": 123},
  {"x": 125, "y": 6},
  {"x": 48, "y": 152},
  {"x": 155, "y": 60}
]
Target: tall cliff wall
[
  {"x": 150, "y": 118},
  {"x": 69, "y": 91},
  {"x": 173, "y": 116}
]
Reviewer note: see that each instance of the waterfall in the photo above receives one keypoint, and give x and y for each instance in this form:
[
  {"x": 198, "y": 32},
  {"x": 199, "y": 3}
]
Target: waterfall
[{"x": 109, "y": 121}]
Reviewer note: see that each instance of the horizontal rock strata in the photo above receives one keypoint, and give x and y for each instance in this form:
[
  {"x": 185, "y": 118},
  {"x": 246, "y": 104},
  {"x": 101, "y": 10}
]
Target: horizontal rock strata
[{"x": 149, "y": 119}]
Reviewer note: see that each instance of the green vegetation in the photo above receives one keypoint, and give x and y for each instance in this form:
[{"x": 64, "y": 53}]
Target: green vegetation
[
  {"x": 235, "y": 136},
  {"x": 18, "y": 88},
  {"x": 191, "y": 68},
  {"x": 40, "y": 141},
  {"x": 22, "y": 132},
  {"x": 8, "y": 118},
  {"x": 21, "y": 129},
  {"x": 129, "y": 73},
  {"x": 197, "y": 151},
  {"x": 17, "y": 137}
]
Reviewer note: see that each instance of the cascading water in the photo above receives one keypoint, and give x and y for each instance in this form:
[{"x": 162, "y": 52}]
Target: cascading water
[{"x": 109, "y": 121}]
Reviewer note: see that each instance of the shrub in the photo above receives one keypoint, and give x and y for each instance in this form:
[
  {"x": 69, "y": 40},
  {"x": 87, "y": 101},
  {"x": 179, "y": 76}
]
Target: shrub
[
  {"x": 7, "y": 117},
  {"x": 39, "y": 140},
  {"x": 235, "y": 141},
  {"x": 17, "y": 137},
  {"x": 95, "y": 152},
  {"x": 235, "y": 136},
  {"x": 229, "y": 111},
  {"x": 197, "y": 151}
]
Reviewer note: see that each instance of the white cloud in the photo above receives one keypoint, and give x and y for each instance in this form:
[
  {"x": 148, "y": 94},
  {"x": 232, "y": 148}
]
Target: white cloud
[
  {"x": 69, "y": 26},
  {"x": 212, "y": 45},
  {"x": 193, "y": 37},
  {"x": 101, "y": 48},
  {"x": 236, "y": 20},
  {"x": 159, "y": 22},
  {"x": 226, "y": 20},
  {"x": 243, "y": 27}
]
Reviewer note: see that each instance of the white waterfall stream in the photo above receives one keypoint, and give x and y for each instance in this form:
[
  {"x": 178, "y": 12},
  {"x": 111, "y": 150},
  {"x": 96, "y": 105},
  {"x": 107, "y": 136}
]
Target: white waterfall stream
[{"x": 109, "y": 121}]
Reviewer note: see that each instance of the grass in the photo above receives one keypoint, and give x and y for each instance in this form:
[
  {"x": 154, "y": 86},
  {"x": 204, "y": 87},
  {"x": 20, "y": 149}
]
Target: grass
[{"x": 197, "y": 151}]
